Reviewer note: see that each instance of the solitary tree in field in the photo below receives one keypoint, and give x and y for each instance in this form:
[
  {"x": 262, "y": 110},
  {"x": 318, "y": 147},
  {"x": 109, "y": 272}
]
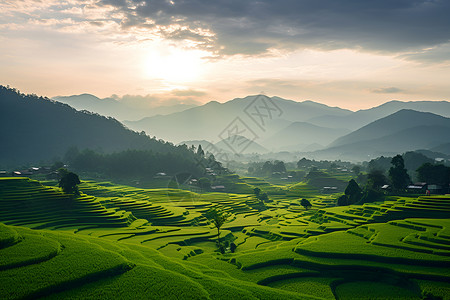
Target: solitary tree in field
[
  {"x": 257, "y": 191},
  {"x": 218, "y": 217},
  {"x": 305, "y": 203},
  {"x": 398, "y": 174},
  {"x": 68, "y": 181}
]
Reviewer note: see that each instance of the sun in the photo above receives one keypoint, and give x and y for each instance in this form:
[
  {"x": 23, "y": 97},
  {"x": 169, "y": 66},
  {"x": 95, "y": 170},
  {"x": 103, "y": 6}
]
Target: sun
[{"x": 174, "y": 65}]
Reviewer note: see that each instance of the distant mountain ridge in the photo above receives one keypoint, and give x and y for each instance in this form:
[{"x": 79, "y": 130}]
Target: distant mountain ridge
[
  {"x": 113, "y": 108},
  {"x": 301, "y": 135},
  {"x": 366, "y": 116},
  {"x": 405, "y": 130},
  {"x": 209, "y": 120}
]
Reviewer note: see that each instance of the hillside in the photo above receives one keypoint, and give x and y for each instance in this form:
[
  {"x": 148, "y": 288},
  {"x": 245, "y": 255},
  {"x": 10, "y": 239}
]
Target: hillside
[
  {"x": 298, "y": 136},
  {"x": 396, "y": 122},
  {"x": 93, "y": 247},
  {"x": 406, "y": 130},
  {"x": 120, "y": 110},
  {"x": 34, "y": 128},
  {"x": 263, "y": 115},
  {"x": 363, "y": 117}
]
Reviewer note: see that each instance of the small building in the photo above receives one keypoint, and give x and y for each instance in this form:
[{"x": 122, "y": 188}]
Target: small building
[
  {"x": 417, "y": 188},
  {"x": 218, "y": 187},
  {"x": 160, "y": 175},
  {"x": 330, "y": 189}
]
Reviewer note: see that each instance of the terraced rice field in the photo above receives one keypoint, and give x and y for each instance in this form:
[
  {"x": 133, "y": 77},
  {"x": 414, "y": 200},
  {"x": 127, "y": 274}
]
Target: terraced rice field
[{"x": 120, "y": 242}]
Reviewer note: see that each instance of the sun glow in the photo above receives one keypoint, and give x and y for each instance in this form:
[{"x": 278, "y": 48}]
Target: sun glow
[{"x": 175, "y": 65}]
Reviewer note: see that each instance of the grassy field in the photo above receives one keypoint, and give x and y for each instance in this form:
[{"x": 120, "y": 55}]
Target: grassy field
[{"x": 124, "y": 242}]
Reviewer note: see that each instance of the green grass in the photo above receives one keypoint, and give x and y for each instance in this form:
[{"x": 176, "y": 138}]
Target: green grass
[{"x": 118, "y": 241}]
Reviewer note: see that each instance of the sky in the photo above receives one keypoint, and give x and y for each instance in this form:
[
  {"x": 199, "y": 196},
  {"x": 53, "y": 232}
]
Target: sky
[{"x": 353, "y": 54}]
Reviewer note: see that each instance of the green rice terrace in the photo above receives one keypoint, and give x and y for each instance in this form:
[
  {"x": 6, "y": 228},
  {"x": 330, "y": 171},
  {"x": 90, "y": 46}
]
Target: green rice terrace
[{"x": 121, "y": 242}]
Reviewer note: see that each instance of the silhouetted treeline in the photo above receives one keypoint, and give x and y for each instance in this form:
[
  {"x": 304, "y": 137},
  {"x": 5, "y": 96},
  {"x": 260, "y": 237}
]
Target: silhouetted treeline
[
  {"x": 413, "y": 160},
  {"x": 140, "y": 163},
  {"x": 35, "y": 129}
]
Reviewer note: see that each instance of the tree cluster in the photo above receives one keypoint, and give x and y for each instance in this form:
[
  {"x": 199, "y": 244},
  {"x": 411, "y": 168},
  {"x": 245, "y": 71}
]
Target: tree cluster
[
  {"x": 267, "y": 168},
  {"x": 142, "y": 163}
]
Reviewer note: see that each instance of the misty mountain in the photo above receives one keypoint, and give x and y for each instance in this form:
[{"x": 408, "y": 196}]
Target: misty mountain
[
  {"x": 401, "y": 120},
  {"x": 258, "y": 116},
  {"x": 405, "y": 130},
  {"x": 118, "y": 109},
  {"x": 442, "y": 148},
  {"x": 34, "y": 128},
  {"x": 229, "y": 146},
  {"x": 302, "y": 136},
  {"x": 240, "y": 145},
  {"x": 363, "y": 117}
]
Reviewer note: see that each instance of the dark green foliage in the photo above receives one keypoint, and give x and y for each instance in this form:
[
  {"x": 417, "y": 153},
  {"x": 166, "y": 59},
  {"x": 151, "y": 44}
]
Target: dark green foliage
[
  {"x": 352, "y": 188},
  {"x": 305, "y": 203},
  {"x": 68, "y": 182},
  {"x": 233, "y": 247},
  {"x": 263, "y": 197},
  {"x": 371, "y": 195},
  {"x": 398, "y": 174},
  {"x": 342, "y": 200},
  {"x": 356, "y": 170},
  {"x": 257, "y": 191},
  {"x": 434, "y": 174},
  {"x": 376, "y": 179},
  {"x": 412, "y": 161},
  {"x": 140, "y": 163},
  {"x": 267, "y": 168},
  {"x": 200, "y": 151},
  {"x": 352, "y": 194},
  {"x": 278, "y": 166}
]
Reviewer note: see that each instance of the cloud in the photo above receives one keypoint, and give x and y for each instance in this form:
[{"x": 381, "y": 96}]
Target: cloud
[
  {"x": 256, "y": 26},
  {"x": 388, "y": 90},
  {"x": 440, "y": 53}
]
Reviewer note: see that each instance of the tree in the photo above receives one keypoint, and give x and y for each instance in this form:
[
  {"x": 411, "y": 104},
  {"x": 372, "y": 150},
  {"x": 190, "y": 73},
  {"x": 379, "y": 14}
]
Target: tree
[
  {"x": 305, "y": 203},
  {"x": 278, "y": 166},
  {"x": 351, "y": 195},
  {"x": 218, "y": 217},
  {"x": 356, "y": 170},
  {"x": 263, "y": 197},
  {"x": 233, "y": 247},
  {"x": 257, "y": 191},
  {"x": 376, "y": 179},
  {"x": 398, "y": 174},
  {"x": 68, "y": 181},
  {"x": 434, "y": 174},
  {"x": 200, "y": 151}
]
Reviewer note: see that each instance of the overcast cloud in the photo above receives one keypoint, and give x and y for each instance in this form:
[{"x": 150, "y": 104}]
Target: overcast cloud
[{"x": 254, "y": 27}]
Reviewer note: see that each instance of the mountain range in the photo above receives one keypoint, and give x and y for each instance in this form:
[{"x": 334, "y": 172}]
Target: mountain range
[
  {"x": 365, "y": 116},
  {"x": 261, "y": 124},
  {"x": 399, "y": 132},
  {"x": 260, "y": 116}
]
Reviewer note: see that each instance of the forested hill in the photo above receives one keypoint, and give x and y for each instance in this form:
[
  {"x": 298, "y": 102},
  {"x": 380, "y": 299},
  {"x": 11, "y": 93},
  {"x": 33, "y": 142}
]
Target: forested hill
[{"x": 34, "y": 129}]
